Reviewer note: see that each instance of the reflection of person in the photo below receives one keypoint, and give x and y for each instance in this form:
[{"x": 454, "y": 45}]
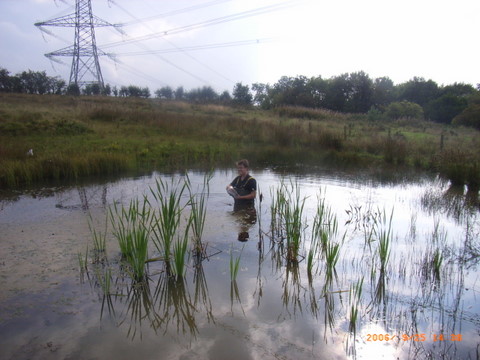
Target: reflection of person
[{"x": 244, "y": 190}]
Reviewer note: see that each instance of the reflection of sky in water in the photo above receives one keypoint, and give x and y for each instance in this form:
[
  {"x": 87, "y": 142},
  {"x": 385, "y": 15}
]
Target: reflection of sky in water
[{"x": 274, "y": 314}]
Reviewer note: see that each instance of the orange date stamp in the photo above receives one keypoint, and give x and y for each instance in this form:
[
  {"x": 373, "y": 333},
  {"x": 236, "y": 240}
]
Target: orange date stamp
[{"x": 413, "y": 337}]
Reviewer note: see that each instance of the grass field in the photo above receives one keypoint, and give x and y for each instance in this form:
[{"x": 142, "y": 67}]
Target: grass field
[{"x": 75, "y": 137}]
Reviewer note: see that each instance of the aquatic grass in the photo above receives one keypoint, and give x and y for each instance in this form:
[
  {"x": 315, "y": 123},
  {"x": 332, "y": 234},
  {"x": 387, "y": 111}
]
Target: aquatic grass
[
  {"x": 172, "y": 303},
  {"x": 385, "y": 234},
  {"x": 140, "y": 307},
  {"x": 179, "y": 256},
  {"x": 201, "y": 291},
  {"x": 355, "y": 295},
  {"x": 166, "y": 222},
  {"x": 259, "y": 221},
  {"x": 235, "y": 296},
  {"x": 234, "y": 264},
  {"x": 132, "y": 228},
  {"x": 332, "y": 253},
  {"x": 366, "y": 220},
  {"x": 99, "y": 237},
  {"x": 437, "y": 263},
  {"x": 294, "y": 223},
  {"x": 198, "y": 213},
  {"x": 277, "y": 210},
  {"x": 324, "y": 226},
  {"x": 310, "y": 257},
  {"x": 104, "y": 279}
]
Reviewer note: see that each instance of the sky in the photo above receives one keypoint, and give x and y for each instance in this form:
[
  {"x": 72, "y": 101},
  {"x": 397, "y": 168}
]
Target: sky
[{"x": 433, "y": 39}]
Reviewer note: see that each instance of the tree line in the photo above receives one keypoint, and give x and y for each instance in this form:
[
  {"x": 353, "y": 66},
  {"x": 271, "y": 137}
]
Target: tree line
[
  {"x": 356, "y": 92},
  {"x": 379, "y": 97}
]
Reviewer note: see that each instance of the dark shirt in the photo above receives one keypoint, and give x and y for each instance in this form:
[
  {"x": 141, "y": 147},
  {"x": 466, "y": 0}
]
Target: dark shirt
[{"x": 244, "y": 187}]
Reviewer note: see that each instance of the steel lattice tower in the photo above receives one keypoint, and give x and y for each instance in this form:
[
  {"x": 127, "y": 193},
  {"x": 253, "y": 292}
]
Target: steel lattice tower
[{"x": 85, "y": 65}]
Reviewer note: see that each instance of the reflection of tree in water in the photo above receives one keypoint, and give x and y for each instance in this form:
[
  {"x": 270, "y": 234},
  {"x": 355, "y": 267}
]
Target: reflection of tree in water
[
  {"x": 93, "y": 195},
  {"x": 454, "y": 202}
]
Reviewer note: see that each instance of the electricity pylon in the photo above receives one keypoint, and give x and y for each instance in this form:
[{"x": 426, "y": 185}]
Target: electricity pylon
[{"x": 85, "y": 65}]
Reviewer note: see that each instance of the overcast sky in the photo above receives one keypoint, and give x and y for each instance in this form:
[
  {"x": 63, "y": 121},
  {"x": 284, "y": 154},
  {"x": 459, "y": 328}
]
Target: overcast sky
[{"x": 434, "y": 39}]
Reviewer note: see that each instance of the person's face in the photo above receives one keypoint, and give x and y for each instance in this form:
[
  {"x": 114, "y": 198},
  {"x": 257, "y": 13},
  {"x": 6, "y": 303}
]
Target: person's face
[{"x": 242, "y": 170}]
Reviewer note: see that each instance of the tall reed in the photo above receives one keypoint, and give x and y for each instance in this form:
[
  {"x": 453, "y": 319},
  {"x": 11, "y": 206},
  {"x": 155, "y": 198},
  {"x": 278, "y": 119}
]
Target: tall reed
[
  {"x": 179, "y": 256},
  {"x": 234, "y": 265},
  {"x": 166, "y": 222},
  {"x": 324, "y": 227},
  {"x": 332, "y": 253},
  {"x": 385, "y": 234},
  {"x": 294, "y": 223},
  {"x": 198, "y": 214},
  {"x": 132, "y": 227},
  {"x": 277, "y": 210},
  {"x": 355, "y": 296}
]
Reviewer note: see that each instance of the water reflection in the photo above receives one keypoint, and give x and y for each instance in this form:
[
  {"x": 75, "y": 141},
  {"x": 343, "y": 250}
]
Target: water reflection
[
  {"x": 453, "y": 201},
  {"x": 275, "y": 308}
]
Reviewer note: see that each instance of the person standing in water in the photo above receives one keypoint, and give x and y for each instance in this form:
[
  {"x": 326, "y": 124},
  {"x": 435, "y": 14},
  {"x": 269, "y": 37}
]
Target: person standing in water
[{"x": 243, "y": 188}]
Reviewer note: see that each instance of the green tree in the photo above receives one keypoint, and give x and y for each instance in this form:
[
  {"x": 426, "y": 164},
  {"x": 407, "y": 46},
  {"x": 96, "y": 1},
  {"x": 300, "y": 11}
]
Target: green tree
[
  {"x": 165, "y": 92},
  {"x": 419, "y": 91},
  {"x": 145, "y": 92},
  {"x": 317, "y": 88},
  {"x": 262, "y": 95},
  {"x": 107, "y": 90},
  {"x": 225, "y": 98},
  {"x": 242, "y": 95},
  {"x": 92, "y": 89},
  {"x": 5, "y": 81},
  {"x": 338, "y": 93},
  {"x": 445, "y": 108},
  {"x": 471, "y": 115},
  {"x": 203, "y": 95},
  {"x": 458, "y": 89},
  {"x": 383, "y": 92},
  {"x": 179, "y": 93},
  {"x": 57, "y": 85},
  {"x": 360, "y": 99},
  {"x": 73, "y": 89}
]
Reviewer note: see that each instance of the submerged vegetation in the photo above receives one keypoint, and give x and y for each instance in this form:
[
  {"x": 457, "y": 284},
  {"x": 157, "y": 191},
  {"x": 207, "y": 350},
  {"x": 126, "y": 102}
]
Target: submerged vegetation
[{"x": 74, "y": 137}]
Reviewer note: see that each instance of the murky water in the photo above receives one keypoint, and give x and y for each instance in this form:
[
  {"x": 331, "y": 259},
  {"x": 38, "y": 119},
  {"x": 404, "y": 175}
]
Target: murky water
[{"x": 49, "y": 309}]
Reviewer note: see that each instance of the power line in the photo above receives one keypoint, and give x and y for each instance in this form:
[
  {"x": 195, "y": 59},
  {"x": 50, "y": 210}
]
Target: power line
[
  {"x": 171, "y": 13},
  {"x": 199, "y": 47},
  {"x": 211, "y": 22},
  {"x": 160, "y": 57},
  {"x": 171, "y": 43}
]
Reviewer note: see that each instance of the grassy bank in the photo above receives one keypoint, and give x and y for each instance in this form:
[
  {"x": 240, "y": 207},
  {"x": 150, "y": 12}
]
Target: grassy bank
[{"x": 73, "y": 137}]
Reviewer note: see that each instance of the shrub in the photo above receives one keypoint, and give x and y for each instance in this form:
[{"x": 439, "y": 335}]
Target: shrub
[{"x": 404, "y": 109}]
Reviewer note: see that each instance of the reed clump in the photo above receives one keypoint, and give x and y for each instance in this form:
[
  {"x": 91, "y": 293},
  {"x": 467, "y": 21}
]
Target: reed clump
[
  {"x": 132, "y": 228},
  {"x": 198, "y": 213},
  {"x": 287, "y": 220},
  {"x": 166, "y": 222}
]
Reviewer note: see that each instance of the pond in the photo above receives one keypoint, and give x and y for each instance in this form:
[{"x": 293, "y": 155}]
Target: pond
[{"x": 386, "y": 268}]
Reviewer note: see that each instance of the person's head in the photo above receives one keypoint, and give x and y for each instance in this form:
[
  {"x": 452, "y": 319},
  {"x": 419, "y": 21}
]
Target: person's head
[{"x": 242, "y": 167}]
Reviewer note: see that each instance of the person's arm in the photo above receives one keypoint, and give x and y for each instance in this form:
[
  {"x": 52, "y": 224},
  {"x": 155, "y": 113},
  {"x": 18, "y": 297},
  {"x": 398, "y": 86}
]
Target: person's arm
[{"x": 252, "y": 195}]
